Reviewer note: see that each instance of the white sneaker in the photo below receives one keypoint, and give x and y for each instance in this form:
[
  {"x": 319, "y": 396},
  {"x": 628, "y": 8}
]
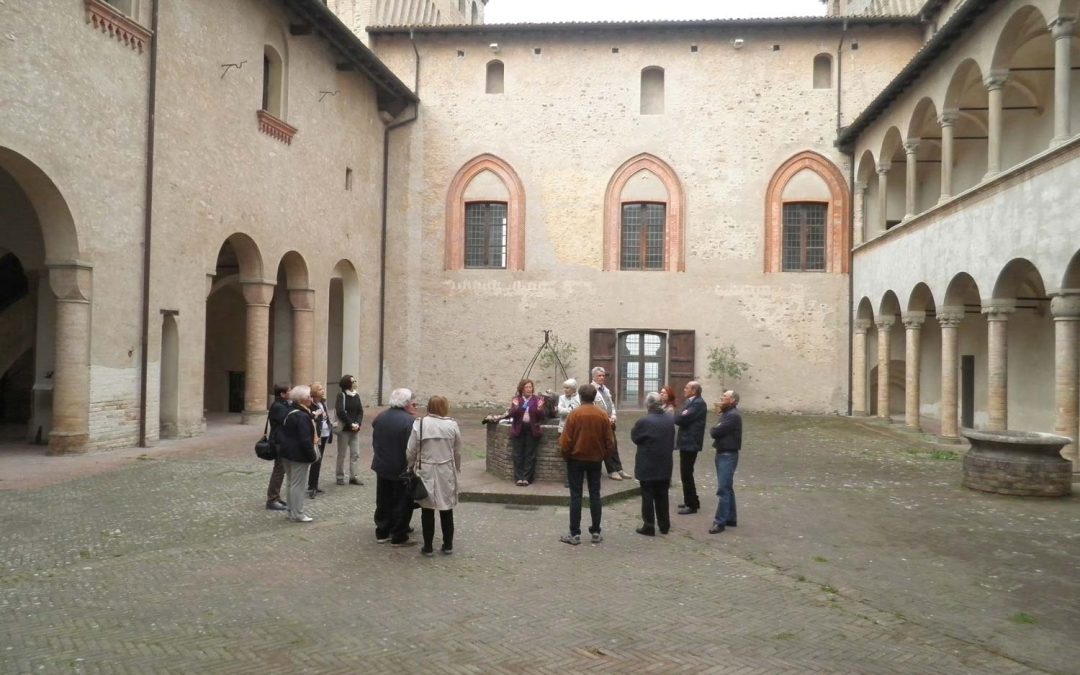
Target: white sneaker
[
  {"x": 304, "y": 518},
  {"x": 624, "y": 474},
  {"x": 615, "y": 475}
]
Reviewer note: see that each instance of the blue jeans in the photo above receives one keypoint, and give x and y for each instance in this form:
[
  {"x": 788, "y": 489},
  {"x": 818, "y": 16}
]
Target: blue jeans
[
  {"x": 726, "y": 463},
  {"x": 576, "y": 472}
]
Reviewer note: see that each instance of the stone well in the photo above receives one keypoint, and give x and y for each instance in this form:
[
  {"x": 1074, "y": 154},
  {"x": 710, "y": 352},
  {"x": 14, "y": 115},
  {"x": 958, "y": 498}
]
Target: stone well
[
  {"x": 549, "y": 462},
  {"x": 1027, "y": 463}
]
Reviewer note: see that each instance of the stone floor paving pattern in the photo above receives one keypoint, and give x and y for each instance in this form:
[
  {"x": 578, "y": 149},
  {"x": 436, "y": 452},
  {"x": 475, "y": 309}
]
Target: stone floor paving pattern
[{"x": 857, "y": 552}]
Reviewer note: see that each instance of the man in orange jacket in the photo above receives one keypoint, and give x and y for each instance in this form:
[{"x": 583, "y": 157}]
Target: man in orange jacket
[{"x": 586, "y": 442}]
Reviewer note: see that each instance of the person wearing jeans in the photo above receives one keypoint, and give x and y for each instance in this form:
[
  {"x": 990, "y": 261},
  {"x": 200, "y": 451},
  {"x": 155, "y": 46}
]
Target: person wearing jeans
[
  {"x": 350, "y": 414},
  {"x": 586, "y": 441},
  {"x": 727, "y": 439}
]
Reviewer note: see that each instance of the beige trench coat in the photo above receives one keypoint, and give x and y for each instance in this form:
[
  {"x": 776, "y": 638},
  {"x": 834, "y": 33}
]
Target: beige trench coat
[{"x": 440, "y": 460}]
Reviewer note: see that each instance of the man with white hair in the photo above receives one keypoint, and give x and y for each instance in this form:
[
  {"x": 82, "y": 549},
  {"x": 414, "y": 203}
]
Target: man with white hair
[
  {"x": 299, "y": 449},
  {"x": 606, "y": 402},
  {"x": 389, "y": 440}
]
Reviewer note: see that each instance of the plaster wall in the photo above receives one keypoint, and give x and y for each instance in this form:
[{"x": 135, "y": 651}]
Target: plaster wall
[{"x": 565, "y": 136}]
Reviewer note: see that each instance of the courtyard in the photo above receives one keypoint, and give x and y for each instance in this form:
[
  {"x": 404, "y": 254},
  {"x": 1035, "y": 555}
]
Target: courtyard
[{"x": 857, "y": 551}]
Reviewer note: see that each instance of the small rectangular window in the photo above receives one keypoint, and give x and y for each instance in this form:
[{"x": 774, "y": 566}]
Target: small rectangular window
[
  {"x": 804, "y": 237},
  {"x": 485, "y": 235},
  {"x": 643, "y": 236},
  {"x": 348, "y": 178},
  {"x": 693, "y": 49}
]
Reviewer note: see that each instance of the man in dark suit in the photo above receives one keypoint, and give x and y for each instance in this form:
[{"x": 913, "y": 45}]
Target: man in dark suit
[
  {"x": 654, "y": 436},
  {"x": 727, "y": 439},
  {"x": 389, "y": 439},
  {"x": 691, "y": 423},
  {"x": 279, "y": 409}
]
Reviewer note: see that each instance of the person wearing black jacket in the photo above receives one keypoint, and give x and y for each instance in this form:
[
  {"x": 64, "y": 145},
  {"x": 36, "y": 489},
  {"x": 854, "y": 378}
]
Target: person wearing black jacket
[
  {"x": 654, "y": 436},
  {"x": 727, "y": 439},
  {"x": 299, "y": 448},
  {"x": 691, "y": 423},
  {"x": 390, "y": 439},
  {"x": 350, "y": 415},
  {"x": 278, "y": 409}
]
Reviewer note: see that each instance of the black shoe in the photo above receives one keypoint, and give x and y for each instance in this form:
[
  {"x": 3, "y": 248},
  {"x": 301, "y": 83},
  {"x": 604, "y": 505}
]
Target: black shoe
[
  {"x": 410, "y": 530},
  {"x": 403, "y": 542},
  {"x": 665, "y": 530},
  {"x": 731, "y": 523},
  {"x": 276, "y": 505},
  {"x": 447, "y": 551},
  {"x": 716, "y": 529},
  {"x": 355, "y": 481},
  {"x": 647, "y": 531},
  {"x": 686, "y": 510},
  {"x": 320, "y": 491},
  {"x": 427, "y": 552}
]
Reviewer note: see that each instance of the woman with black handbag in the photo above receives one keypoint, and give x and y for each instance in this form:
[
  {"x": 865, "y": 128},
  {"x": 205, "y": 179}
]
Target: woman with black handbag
[{"x": 434, "y": 453}]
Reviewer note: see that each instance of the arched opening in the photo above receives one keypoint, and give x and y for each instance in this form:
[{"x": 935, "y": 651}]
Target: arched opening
[
  {"x": 291, "y": 324},
  {"x": 488, "y": 191},
  {"x": 343, "y": 328},
  {"x": 169, "y": 385},
  {"x": 273, "y": 83},
  {"x": 923, "y": 384},
  {"x": 475, "y": 18},
  {"x": 37, "y": 226},
  {"x": 894, "y": 162},
  {"x": 924, "y": 135},
  {"x": 494, "y": 83},
  {"x": 1029, "y": 347},
  {"x": 967, "y": 97},
  {"x": 652, "y": 90},
  {"x": 823, "y": 71},
  {"x": 969, "y": 375},
  {"x": 806, "y": 217},
  {"x": 889, "y": 360},
  {"x": 1025, "y": 50},
  {"x": 643, "y": 222},
  {"x": 864, "y": 347},
  {"x": 867, "y": 212}
]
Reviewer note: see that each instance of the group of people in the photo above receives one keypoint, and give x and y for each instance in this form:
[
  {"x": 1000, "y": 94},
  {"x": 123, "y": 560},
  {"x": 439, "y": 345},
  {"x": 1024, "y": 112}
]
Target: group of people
[{"x": 430, "y": 445}]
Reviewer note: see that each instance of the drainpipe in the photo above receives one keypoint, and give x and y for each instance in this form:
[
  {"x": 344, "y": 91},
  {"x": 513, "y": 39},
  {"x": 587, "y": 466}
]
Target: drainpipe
[
  {"x": 151, "y": 110},
  {"x": 851, "y": 211},
  {"x": 385, "y": 208}
]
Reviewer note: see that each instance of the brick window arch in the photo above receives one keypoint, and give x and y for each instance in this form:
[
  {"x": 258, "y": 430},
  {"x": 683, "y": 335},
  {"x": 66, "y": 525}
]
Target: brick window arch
[
  {"x": 837, "y": 236},
  {"x": 515, "y": 211},
  {"x": 674, "y": 207}
]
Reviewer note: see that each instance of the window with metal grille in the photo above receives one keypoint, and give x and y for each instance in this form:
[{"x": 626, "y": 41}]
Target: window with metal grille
[
  {"x": 804, "y": 237},
  {"x": 485, "y": 234},
  {"x": 643, "y": 236}
]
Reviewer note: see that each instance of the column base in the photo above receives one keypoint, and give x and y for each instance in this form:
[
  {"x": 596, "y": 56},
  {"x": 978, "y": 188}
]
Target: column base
[
  {"x": 1055, "y": 142},
  {"x": 63, "y": 443},
  {"x": 253, "y": 417}
]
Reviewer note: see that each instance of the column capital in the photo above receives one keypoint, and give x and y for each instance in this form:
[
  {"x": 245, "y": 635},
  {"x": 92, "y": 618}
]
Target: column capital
[
  {"x": 1062, "y": 27},
  {"x": 950, "y": 316},
  {"x": 302, "y": 299},
  {"x": 860, "y": 186},
  {"x": 71, "y": 280},
  {"x": 862, "y": 325},
  {"x": 913, "y": 319},
  {"x": 885, "y": 322},
  {"x": 996, "y": 79},
  {"x": 1065, "y": 306},
  {"x": 998, "y": 309},
  {"x": 883, "y": 168},
  {"x": 948, "y": 117},
  {"x": 911, "y": 146},
  {"x": 258, "y": 292}
]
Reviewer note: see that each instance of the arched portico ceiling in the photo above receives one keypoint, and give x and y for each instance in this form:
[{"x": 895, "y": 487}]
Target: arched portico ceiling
[
  {"x": 867, "y": 167},
  {"x": 239, "y": 254},
  {"x": 1026, "y": 25},
  {"x": 890, "y": 306},
  {"x": 921, "y": 299},
  {"x": 962, "y": 290},
  {"x": 865, "y": 309},
  {"x": 1071, "y": 279},
  {"x": 345, "y": 271},
  {"x": 890, "y": 146},
  {"x": 924, "y": 120},
  {"x": 1019, "y": 280},
  {"x": 57, "y": 225},
  {"x": 966, "y": 95},
  {"x": 296, "y": 271}
]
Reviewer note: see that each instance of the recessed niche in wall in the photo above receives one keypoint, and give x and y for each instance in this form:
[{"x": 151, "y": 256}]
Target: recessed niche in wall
[
  {"x": 461, "y": 53},
  {"x": 776, "y": 48},
  {"x": 348, "y": 178},
  {"x": 537, "y": 51},
  {"x": 614, "y": 50},
  {"x": 693, "y": 49}
]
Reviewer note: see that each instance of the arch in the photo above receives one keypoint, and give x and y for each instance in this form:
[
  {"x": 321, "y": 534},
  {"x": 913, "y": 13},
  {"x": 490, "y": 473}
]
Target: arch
[
  {"x": 1019, "y": 279},
  {"x": 652, "y": 90},
  {"x": 925, "y": 130},
  {"x": 343, "y": 325},
  {"x": 674, "y": 233},
  {"x": 923, "y": 119},
  {"x": 1025, "y": 24},
  {"x": 838, "y": 242},
  {"x": 865, "y": 309},
  {"x": 239, "y": 254},
  {"x": 53, "y": 215},
  {"x": 1071, "y": 278},
  {"x": 890, "y": 145},
  {"x": 494, "y": 77},
  {"x": 169, "y": 380},
  {"x": 475, "y": 18},
  {"x": 296, "y": 271},
  {"x": 273, "y": 82},
  {"x": 515, "y": 212},
  {"x": 921, "y": 298},
  {"x": 889, "y": 305},
  {"x": 962, "y": 290},
  {"x": 823, "y": 71}
]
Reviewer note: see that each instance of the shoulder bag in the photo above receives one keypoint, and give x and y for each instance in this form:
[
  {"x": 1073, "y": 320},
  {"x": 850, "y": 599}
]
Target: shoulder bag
[
  {"x": 264, "y": 448},
  {"x": 410, "y": 480}
]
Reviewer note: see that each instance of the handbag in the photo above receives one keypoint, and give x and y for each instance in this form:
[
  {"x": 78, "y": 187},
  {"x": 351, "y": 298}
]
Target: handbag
[
  {"x": 414, "y": 486},
  {"x": 264, "y": 449}
]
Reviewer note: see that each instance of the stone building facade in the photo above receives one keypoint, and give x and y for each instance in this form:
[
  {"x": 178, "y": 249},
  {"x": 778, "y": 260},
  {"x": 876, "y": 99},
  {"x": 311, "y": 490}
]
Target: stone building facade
[{"x": 649, "y": 191}]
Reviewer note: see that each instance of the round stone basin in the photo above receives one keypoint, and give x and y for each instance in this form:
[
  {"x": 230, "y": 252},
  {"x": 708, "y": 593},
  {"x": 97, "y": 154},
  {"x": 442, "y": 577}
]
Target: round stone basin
[{"x": 1026, "y": 463}]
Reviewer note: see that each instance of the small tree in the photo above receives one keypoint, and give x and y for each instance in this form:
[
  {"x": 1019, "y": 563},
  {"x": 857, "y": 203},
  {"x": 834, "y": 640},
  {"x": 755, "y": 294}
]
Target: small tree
[
  {"x": 564, "y": 350},
  {"x": 724, "y": 363}
]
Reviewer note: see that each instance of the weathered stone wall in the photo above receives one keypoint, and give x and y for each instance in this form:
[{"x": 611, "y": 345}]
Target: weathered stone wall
[{"x": 550, "y": 465}]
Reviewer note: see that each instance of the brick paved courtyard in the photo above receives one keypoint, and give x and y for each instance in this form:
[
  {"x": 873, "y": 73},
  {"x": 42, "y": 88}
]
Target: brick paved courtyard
[{"x": 856, "y": 551}]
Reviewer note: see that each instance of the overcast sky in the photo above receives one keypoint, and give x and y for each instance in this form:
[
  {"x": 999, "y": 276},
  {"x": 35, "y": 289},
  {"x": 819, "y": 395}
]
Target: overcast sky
[{"x": 520, "y": 11}]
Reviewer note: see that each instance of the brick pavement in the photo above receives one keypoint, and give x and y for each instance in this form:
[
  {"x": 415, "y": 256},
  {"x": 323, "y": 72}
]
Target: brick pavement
[{"x": 856, "y": 552}]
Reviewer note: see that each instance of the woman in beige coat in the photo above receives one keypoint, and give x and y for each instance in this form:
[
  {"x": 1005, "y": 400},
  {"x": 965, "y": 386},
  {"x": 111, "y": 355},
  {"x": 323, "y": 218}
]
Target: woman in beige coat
[{"x": 435, "y": 453}]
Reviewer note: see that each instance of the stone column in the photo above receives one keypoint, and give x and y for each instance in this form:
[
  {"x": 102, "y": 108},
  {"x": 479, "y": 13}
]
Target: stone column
[
  {"x": 303, "y": 325},
  {"x": 995, "y": 85},
  {"x": 947, "y": 120},
  {"x": 858, "y": 368},
  {"x": 72, "y": 284},
  {"x": 1063, "y": 29},
  {"x": 997, "y": 376},
  {"x": 883, "y": 196},
  {"x": 913, "y": 322},
  {"x": 884, "y": 344},
  {"x": 911, "y": 154},
  {"x": 860, "y": 233},
  {"x": 1066, "y": 312},
  {"x": 950, "y": 318},
  {"x": 258, "y": 295}
]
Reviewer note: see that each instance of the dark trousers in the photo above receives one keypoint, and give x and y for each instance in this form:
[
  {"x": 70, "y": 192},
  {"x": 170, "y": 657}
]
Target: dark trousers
[
  {"x": 393, "y": 509},
  {"x": 525, "y": 455},
  {"x": 654, "y": 501},
  {"x": 686, "y": 475},
  {"x": 446, "y": 523},
  {"x": 613, "y": 463},
  {"x": 576, "y": 472},
  {"x": 313, "y": 472},
  {"x": 277, "y": 477}
]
